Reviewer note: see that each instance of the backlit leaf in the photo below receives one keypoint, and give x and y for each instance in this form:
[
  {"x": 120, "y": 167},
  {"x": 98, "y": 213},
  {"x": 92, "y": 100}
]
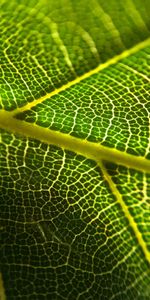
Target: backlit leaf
[{"x": 75, "y": 150}]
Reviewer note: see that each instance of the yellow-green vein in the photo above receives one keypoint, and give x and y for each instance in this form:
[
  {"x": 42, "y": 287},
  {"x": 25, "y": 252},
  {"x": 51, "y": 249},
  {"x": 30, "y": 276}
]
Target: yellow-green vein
[
  {"x": 99, "y": 68},
  {"x": 86, "y": 148},
  {"x": 126, "y": 212}
]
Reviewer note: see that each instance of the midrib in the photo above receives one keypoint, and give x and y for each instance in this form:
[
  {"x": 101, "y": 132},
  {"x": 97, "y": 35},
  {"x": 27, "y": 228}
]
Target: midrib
[{"x": 94, "y": 151}]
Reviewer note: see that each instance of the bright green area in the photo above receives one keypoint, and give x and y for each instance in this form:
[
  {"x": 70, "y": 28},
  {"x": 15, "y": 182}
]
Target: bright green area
[
  {"x": 111, "y": 107},
  {"x": 74, "y": 226},
  {"x": 44, "y": 44}
]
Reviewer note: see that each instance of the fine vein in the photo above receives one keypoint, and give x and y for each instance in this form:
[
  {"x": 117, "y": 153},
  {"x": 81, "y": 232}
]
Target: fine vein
[
  {"x": 127, "y": 214},
  {"x": 99, "y": 68}
]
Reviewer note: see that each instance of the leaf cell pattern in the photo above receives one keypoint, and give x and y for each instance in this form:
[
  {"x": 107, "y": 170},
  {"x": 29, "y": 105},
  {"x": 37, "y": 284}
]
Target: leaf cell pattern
[{"x": 75, "y": 150}]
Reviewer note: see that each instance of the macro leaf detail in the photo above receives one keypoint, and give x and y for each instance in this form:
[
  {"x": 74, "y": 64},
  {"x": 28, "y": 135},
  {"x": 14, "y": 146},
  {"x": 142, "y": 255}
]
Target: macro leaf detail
[{"x": 75, "y": 150}]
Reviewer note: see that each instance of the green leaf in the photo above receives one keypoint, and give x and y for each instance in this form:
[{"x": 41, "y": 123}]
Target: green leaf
[{"x": 75, "y": 150}]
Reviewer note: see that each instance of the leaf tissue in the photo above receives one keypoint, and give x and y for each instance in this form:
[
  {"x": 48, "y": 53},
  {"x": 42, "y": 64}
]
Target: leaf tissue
[{"x": 75, "y": 150}]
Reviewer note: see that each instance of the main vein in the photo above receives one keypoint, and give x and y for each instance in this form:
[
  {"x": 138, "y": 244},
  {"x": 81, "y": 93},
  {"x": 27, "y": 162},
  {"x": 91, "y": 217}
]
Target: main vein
[
  {"x": 102, "y": 66},
  {"x": 86, "y": 148}
]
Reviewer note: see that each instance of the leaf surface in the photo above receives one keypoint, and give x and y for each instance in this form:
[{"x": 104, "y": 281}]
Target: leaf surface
[{"x": 75, "y": 149}]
